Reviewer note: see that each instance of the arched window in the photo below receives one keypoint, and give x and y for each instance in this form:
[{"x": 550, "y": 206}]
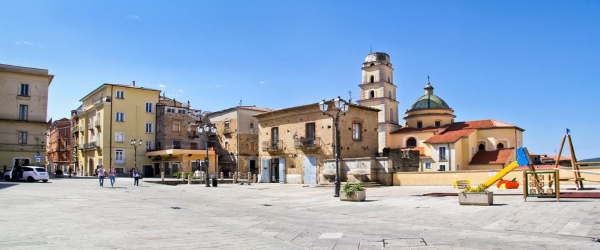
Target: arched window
[
  {"x": 390, "y": 94},
  {"x": 372, "y": 94},
  {"x": 411, "y": 142},
  {"x": 419, "y": 124},
  {"x": 481, "y": 147},
  {"x": 389, "y": 80},
  {"x": 500, "y": 146},
  {"x": 391, "y": 115},
  {"x": 372, "y": 79}
]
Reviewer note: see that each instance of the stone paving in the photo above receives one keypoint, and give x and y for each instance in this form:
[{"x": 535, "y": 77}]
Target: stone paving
[{"x": 78, "y": 214}]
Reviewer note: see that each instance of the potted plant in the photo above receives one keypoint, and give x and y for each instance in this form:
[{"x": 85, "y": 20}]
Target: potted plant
[
  {"x": 476, "y": 196},
  {"x": 354, "y": 192}
]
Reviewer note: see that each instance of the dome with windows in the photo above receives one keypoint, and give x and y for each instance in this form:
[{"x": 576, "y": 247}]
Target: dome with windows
[
  {"x": 429, "y": 101},
  {"x": 377, "y": 57}
]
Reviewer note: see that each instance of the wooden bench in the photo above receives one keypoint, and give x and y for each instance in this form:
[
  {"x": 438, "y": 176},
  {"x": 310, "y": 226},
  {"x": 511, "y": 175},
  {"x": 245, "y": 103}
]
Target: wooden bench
[{"x": 461, "y": 184}]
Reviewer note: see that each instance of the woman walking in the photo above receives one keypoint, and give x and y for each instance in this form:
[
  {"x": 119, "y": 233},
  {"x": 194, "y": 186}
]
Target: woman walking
[
  {"x": 112, "y": 174},
  {"x": 136, "y": 177}
]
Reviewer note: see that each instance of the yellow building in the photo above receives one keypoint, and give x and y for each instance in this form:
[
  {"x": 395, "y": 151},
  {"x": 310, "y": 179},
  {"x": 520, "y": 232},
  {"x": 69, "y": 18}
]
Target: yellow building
[
  {"x": 115, "y": 125},
  {"x": 446, "y": 145},
  {"x": 23, "y": 112}
]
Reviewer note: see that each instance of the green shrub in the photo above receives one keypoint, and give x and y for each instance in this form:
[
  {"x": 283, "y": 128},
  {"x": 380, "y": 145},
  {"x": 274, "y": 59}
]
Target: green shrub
[
  {"x": 350, "y": 188},
  {"x": 177, "y": 175}
]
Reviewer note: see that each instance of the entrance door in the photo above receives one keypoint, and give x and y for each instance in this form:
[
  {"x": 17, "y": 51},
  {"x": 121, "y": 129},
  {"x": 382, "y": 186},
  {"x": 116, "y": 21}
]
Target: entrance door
[
  {"x": 253, "y": 169},
  {"x": 274, "y": 171},
  {"x": 281, "y": 170},
  {"x": 157, "y": 169},
  {"x": 264, "y": 178},
  {"x": 148, "y": 171},
  {"x": 310, "y": 170}
]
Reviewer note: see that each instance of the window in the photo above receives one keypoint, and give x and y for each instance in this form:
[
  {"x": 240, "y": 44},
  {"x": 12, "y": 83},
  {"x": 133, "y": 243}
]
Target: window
[
  {"x": 372, "y": 94},
  {"x": 182, "y": 111},
  {"x": 120, "y": 94},
  {"x": 391, "y": 115},
  {"x": 390, "y": 94},
  {"x": 176, "y": 144},
  {"x": 251, "y": 124},
  {"x": 310, "y": 133},
  {"x": 119, "y": 137},
  {"x": 148, "y": 127},
  {"x": 442, "y": 168},
  {"x": 274, "y": 137},
  {"x": 170, "y": 110},
  {"x": 427, "y": 165},
  {"x": 24, "y": 89},
  {"x": 356, "y": 131},
  {"x": 500, "y": 146},
  {"x": 22, "y": 137},
  {"x": 411, "y": 142},
  {"x": 372, "y": 79},
  {"x": 193, "y": 145},
  {"x": 23, "y": 110},
  {"x": 149, "y": 107},
  {"x": 176, "y": 127},
  {"x": 438, "y": 123},
  {"x": 119, "y": 156},
  {"x": 389, "y": 79},
  {"x": 481, "y": 146},
  {"x": 419, "y": 124},
  {"x": 252, "y": 145},
  {"x": 442, "y": 153},
  {"x": 120, "y": 116}
]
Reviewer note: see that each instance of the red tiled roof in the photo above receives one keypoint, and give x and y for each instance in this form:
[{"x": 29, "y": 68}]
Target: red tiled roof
[
  {"x": 457, "y": 130},
  {"x": 499, "y": 156},
  {"x": 450, "y": 136}
]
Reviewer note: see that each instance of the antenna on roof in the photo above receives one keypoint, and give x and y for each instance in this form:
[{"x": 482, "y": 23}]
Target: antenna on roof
[
  {"x": 349, "y": 96},
  {"x": 427, "y": 78},
  {"x": 370, "y": 48}
]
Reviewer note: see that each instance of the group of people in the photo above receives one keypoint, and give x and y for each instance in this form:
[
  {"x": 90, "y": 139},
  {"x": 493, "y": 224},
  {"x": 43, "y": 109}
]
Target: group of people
[{"x": 112, "y": 175}]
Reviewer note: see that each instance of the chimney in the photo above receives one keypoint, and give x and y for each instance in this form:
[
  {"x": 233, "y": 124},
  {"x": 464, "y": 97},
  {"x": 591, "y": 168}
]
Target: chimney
[{"x": 133, "y": 83}]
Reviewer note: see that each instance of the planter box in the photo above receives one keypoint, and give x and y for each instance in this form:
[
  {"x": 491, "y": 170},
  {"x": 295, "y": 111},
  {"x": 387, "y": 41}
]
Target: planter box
[
  {"x": 356, "y": 196},
  {"x": 482, "y": 199}
]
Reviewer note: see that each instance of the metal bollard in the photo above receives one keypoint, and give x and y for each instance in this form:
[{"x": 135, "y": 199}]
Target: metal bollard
[
  {"x": 162, "y": 176},
  {"x": 189, "y": 179}
]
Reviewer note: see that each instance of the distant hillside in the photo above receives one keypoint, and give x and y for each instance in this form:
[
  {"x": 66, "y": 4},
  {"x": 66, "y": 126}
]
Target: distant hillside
[{"x": 597, "y": 159}]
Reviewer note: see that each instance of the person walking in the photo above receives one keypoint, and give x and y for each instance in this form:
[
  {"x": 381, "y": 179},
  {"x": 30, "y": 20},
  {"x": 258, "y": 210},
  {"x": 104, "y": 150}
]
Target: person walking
[
  {"x": 136, "y": 177},
  {"x": 70, "y": 172},
  {"x": 112, "y": 174},
  {"x": 100, "y": 173}
]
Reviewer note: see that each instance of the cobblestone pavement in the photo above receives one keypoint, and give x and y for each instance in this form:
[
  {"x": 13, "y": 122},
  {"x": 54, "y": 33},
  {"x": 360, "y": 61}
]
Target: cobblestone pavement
[{"x": 78, "y": 214}]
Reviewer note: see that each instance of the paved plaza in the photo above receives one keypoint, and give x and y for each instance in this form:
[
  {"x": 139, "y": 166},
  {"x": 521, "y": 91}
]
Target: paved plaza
[{"x": 78, "y": 214}]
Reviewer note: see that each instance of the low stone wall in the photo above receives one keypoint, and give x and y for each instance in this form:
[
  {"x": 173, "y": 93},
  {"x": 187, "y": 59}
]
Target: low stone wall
[{"x": 476, "y": 177}]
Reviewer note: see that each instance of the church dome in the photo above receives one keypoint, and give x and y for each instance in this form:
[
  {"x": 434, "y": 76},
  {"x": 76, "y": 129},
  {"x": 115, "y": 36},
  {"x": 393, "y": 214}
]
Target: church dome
[{"x": 429, "y": 101}]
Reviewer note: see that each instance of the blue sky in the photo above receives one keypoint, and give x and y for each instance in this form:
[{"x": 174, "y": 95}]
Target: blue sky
[{"x": 534, "y": 64}]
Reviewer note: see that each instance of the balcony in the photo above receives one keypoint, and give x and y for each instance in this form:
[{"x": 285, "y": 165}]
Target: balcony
[
  {"x": 75, "y": 129},
  {"x": 272, "y": 146},
  {"x": 97, "y": 124},
  {"x": 90, "y": 145},
  {"x": 101, "y": 100},
  {"x": 307, "y": 143},
  {"x": 443, "y": 158}
]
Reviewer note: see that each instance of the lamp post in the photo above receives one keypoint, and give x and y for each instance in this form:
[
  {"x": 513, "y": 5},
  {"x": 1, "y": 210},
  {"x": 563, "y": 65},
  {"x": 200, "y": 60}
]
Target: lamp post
[
  {"x": 134, "y": 143},
  {"x": 341, "y": 109},
  {"x": 204, "y": 131}
]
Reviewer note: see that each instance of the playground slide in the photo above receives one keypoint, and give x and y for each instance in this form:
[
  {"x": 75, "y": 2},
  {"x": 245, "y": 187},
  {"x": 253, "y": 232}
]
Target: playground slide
[{"x": 500, "y": 174}]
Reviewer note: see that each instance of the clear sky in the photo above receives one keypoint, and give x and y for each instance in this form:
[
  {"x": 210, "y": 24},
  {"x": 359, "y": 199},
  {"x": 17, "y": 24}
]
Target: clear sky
[{"x": 533, "y": 64}]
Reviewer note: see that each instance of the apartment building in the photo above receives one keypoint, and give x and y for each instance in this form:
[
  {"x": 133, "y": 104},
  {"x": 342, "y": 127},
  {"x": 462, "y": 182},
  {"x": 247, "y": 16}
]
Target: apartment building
[
  {"x": 23, "y": 114},
  {"x": 295, "y": 142},
  {"x": 115, "y": 125},
  {"x": 237, "y": 135},
  {"x": 58, "y": 150},
  {"x": 180, "y": 147}
]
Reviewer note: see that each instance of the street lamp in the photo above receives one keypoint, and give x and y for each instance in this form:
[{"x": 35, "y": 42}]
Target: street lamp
[
  {"x": 204, "y": 131},
  {"x": 342, "y": 107},
  {"x": 135, "y": 145}
]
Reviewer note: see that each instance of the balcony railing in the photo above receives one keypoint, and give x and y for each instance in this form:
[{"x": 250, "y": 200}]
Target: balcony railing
[
  {"x": 272, "y": 146},
  {"x": 89, "y": 145},
  {"x": 307, "y": 143},
  {"x": 443, "y": 158}
]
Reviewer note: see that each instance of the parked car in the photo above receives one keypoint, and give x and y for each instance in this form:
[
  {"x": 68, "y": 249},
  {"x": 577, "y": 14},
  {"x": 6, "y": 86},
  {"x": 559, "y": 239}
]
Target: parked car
[{"x": 28, "y": 173}]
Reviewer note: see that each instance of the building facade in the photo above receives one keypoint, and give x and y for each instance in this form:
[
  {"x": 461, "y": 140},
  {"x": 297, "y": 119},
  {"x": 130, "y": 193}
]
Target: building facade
[
  {"x": 58, "y": 151},
  {"x": 116, "y": 125},
  {"x": 180, "y": 147},
  {"x": 295, "y": 142},
  {"x": 237, "y": 133},
  {"x": 23, "y": 113}
]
